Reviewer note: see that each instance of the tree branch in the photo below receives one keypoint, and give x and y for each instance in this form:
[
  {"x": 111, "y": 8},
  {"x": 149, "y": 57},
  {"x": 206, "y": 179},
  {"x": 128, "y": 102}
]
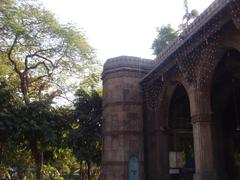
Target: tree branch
[
  {"x": 40, "y": 77},
  {"x": 9, "y": 54},
  {"x": 39, "y": 56},
  {"x": 36, "y": 65}
]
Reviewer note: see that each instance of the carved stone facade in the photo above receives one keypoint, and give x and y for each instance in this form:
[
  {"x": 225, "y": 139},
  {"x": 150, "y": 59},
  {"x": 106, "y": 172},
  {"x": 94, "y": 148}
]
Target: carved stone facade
[{"x": 177, "y": 103}]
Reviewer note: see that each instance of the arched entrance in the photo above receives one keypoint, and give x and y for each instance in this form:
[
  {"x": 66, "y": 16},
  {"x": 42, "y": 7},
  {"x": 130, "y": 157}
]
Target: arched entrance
[
  {"x": 181, "y": 151},
  {"x": 225, "y": 101}
]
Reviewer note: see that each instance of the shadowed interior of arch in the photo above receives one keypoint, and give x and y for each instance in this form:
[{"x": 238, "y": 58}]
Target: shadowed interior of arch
[
  {"x": 226, "y": 110},
  {"x": 181, "y": 135}
]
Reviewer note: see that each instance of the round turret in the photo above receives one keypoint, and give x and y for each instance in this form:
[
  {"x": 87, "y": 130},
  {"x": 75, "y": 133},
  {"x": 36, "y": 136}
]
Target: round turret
[{"x": 122, "y": 117}]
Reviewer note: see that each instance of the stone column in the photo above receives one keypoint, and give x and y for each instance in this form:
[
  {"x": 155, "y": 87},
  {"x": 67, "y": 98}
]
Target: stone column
[
  {"x": 122, "y": 116},
  {"x": 156, "y": 148},
  {"x": 203, "y": 136},
  {"x": 162, "y": 139},
  {"x": 162, "y": 156}
]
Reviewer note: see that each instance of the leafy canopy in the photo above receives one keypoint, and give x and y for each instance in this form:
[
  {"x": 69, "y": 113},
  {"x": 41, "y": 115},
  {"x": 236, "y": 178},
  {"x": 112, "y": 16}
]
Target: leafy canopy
[
  {"x": 42, "y": 53},
  {"x": 166, "y": 34},
  {"x": 85, "y": 138},
  {"x": 39, "y": 58}
]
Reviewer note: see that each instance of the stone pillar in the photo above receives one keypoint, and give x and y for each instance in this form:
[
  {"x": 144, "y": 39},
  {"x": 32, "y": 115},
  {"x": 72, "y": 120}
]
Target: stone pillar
[
  {"x": 162, "y": 139},
  {"x": 205, "y": 168},
  {"x": 122, "y": 116},
  {"x": 156, "y": 147},
  {"x": 162, "y": 156}
]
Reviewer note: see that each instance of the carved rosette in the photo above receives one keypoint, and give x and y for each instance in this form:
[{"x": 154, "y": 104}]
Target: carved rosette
[{"x": 152, "y": 94}]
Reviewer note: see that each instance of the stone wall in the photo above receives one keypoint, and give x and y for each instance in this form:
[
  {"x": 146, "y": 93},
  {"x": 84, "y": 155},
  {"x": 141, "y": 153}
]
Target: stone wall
[{"x": 122, "y": 115}]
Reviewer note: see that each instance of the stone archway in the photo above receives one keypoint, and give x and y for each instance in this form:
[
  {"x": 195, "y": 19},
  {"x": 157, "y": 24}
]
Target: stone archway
[
  {"x": 181, "y": 149},
  {"x": 225, "y": 103},
  {"x": 171, "y": 133}
]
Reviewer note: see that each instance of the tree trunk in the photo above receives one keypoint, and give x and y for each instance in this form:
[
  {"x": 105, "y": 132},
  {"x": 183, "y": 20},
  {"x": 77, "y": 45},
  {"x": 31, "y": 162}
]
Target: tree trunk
[
  {"x": 88, "y": 170},
  {"x": 38, "y": 158},
  {"x": 39, "y": 164},
  {"x": 21, "y": 173},
  {"x": 81, "y": 174},
  {"x": 24, "y": 87}
]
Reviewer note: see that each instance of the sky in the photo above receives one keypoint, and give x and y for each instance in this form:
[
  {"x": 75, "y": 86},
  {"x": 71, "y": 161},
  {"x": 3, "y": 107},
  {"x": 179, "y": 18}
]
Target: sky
[{"x": 122, "y": 27}]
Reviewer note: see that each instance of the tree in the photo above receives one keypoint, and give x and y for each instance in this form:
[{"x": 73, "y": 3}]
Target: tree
[
  {"x": 85, "y": 138},
  {"x": 41, "y": 51},
  {"x": 43, "y": 127},
  {"x": 36, "y": 127},
  {"x": 12, "y": 152},
  {"x": 30, "y": 133},
  {"x": 166, "y": 34},
  {"x": 41, "y": 55},
  {"x": 186, "y": 6},
  {"x": 64, "y": 161}
]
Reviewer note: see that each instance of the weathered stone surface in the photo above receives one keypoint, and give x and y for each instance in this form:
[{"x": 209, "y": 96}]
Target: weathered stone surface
[
  {"x": 132, "y": 127},
  {"x": 122, "y": 112}
]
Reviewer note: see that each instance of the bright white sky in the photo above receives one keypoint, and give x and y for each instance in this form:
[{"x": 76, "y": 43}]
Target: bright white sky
[{"x": 122, "y": 27}]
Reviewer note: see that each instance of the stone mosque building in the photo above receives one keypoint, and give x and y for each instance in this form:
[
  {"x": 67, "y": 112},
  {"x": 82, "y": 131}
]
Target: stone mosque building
[{"x": 177, "y": 117}]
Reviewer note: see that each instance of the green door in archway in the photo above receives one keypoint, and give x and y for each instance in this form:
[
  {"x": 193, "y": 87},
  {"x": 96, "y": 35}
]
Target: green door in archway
[{"x": 133, "y": 168}]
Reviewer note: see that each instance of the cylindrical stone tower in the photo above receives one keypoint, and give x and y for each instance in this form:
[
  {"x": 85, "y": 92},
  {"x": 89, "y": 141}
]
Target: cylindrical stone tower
[{"x": 122, "y": 155}]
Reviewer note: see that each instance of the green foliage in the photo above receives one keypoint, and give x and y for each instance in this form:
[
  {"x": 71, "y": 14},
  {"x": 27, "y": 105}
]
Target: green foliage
[
  {"x": 51, "y": 173},
  {"x": 166, "y": 34},
  {"x": 186, "y": 6},
  {"x": 27, "y": 131},
  {"x": 92, "y": 80},
  {"x": 38, "y": 56},
  {"x": 41, "y": 51},
  {"x": 36, "y": 128},
  {"x": 65, "y": 161},
  {"x": 86, "y": 137},
  {"x": 18, "y": 159},
  {"x": 4, "y": 172},
  {"x": 7, "y": 74}
]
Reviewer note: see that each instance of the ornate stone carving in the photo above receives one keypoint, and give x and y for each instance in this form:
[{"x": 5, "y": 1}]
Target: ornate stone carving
[
  {"x": 186, "y": 51},
  {"x": 235, "y": 12},
  {"x": 206, "y": 65},
  {"x": 187, "y": 66},
  {"x": 208, "y": 15},
  {"x": 152, "y": 94},
  {"x": 197, "y": 66}
]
